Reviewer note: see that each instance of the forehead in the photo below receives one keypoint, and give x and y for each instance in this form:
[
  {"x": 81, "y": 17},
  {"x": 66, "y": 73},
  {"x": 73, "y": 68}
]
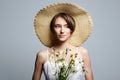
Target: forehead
[{"x": 60, "y": 20}]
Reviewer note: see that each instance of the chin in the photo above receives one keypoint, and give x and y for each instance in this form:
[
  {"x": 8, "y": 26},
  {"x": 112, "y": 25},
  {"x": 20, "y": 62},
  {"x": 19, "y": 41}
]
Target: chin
[{"x": 62, "y": 40}]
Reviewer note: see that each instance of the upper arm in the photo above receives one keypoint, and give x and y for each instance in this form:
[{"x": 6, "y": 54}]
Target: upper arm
[
  {"x": 38, "y": 66},
  {"x": 87, "y": 64}
]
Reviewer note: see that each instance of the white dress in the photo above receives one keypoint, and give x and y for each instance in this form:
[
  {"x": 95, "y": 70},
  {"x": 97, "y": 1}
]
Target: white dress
[{"x": 50, "y": 69}]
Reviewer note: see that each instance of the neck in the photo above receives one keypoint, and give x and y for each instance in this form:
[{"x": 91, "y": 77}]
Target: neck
[{"x": 62, "y": 45}]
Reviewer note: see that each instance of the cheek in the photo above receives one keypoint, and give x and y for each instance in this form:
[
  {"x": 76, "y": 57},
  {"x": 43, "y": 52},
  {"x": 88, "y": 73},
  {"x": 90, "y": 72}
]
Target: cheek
[
  {"x": 69, "y": 31},
  {"x": 56, "y": 31}
]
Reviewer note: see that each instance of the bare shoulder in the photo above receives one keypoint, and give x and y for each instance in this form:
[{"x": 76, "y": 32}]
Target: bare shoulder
[
  {"x": 87, "y": 63},
  {"x": 84, "y": 52},
  {"x": 41, "y": 55}
]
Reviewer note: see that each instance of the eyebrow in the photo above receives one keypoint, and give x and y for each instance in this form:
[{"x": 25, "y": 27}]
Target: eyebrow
[{"x": 60, "y": 24}]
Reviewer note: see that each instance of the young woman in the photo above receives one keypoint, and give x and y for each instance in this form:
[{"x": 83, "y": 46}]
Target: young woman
[{"x": 63, "y": 60}]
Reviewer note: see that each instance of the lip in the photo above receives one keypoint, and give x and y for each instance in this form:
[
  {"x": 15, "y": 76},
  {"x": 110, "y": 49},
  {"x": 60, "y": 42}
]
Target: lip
[{"x": 61, "y": 36}]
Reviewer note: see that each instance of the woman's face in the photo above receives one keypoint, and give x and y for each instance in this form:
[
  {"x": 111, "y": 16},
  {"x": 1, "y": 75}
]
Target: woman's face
[{"x": 61, "y": 29}]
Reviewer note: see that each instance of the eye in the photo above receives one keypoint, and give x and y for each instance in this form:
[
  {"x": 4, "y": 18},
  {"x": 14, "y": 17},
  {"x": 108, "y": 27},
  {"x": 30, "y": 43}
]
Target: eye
[
  {"x": 66, "y": 26},
  {"x": 57, "y": 26}
]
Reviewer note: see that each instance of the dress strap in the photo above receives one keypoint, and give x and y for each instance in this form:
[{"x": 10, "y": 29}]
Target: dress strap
[
  {"x": 77, "y": 50},
  {"x": 79, "y": 53},
  {"x": 47, "y": 54}
]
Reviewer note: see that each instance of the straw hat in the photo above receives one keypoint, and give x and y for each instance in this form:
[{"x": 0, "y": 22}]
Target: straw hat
[{"x": 82, "y": 19}]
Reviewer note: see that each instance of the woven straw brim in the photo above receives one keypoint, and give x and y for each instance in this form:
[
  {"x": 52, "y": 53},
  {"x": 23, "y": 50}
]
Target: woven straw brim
[{"x": 82, "y": 19}]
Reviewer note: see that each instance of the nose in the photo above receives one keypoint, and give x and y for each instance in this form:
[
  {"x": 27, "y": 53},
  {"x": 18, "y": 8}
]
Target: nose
[{"x": 62, "y": 30}]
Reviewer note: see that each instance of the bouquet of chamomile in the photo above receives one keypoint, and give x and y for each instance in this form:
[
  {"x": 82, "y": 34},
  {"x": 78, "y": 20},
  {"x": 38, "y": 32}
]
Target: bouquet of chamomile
[{"x": 64, "y": 67}]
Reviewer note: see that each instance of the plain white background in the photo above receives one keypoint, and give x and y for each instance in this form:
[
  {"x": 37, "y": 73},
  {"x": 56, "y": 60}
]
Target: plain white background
[{"x": 19, "y": 43}]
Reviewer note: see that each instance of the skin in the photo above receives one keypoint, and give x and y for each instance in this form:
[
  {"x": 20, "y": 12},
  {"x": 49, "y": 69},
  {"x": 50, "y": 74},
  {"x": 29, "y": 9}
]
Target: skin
[
  {"x": 62, "y": 33},
  {"x": 61, "y": 30}
]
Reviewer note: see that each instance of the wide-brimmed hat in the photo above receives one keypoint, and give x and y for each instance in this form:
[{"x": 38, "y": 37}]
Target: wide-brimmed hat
[{"x": 82, "y": 19}]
